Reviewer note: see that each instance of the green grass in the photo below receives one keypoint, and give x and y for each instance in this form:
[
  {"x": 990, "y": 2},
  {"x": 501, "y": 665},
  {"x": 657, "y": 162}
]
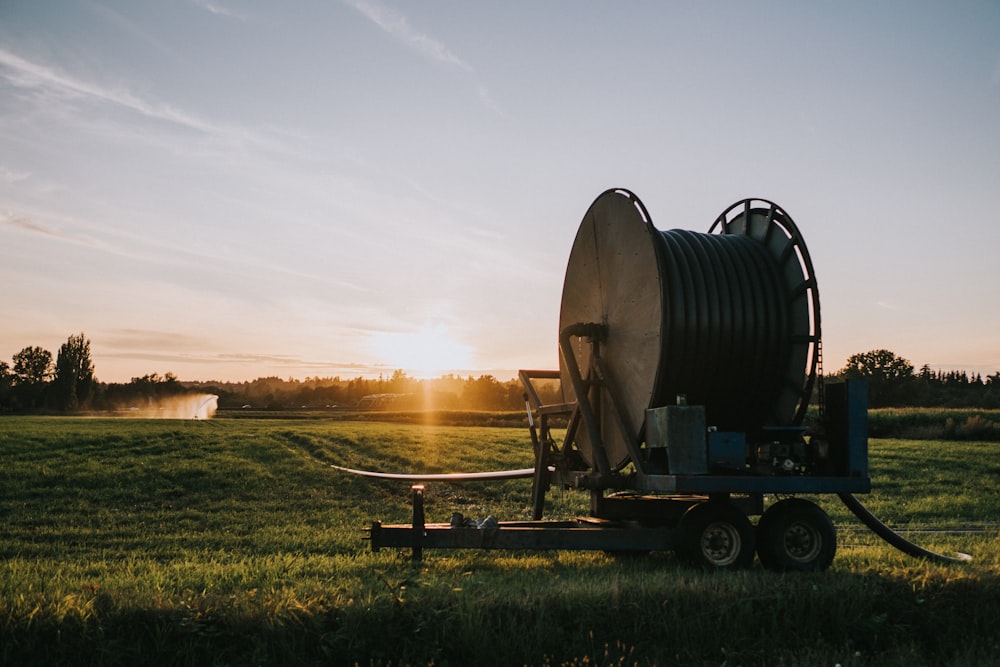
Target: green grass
[{"x": 233, "y": 542}]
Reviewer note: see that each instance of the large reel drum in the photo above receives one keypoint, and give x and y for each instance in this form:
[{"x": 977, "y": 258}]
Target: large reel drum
[{"x": 729, "y": 319}]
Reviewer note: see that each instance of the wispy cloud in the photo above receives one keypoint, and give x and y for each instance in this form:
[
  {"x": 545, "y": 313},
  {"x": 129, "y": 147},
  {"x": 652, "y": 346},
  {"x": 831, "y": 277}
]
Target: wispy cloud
[
  {"x": 33, "y": 226},
  {"x": 27, "y": 74},
  {"x": 130, "y": 339},
  {"x": 54, "y": 86},
  {"x": 112, "y": 241},
  {"x": 172, "y": 348},
  {"x": 25, "y": 224},
  {"x": 219, "y": 10},
  {"x": 487, "y": 99},
  {"x": 11, "y": 176},
  {"x": 396, "y": 25},
  {"x": 164, "y": 251}
]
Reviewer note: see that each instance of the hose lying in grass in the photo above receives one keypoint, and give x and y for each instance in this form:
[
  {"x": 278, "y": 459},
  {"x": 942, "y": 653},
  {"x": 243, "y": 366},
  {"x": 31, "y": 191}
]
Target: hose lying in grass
[
  {"x": 894, "y": 538},
  {"x": 521, "y": 473}
]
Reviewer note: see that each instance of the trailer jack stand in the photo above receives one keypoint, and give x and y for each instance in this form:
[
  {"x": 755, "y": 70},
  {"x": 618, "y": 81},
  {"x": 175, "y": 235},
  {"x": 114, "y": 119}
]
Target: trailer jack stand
[{"x": 418, "y": 522}]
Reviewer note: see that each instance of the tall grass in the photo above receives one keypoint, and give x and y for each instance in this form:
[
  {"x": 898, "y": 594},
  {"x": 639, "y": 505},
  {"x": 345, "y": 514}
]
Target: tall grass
[
  {"x": 234, "y": 542},
  {"x": 935, "y": 424}
]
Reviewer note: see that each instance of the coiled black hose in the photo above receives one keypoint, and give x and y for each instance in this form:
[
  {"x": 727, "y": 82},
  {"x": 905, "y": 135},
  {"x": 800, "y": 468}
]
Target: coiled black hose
[{"x": 726, "y": 327}]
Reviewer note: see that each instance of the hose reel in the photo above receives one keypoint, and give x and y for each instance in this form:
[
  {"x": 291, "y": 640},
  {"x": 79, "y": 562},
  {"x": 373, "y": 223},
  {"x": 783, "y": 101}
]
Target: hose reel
[{"x": 730, "y": 318}]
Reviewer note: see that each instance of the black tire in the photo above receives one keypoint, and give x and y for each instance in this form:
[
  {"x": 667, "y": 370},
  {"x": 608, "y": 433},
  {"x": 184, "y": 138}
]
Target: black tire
[
  {"x": 716, "y": 535},
  {"x": 796, "y": 535}
]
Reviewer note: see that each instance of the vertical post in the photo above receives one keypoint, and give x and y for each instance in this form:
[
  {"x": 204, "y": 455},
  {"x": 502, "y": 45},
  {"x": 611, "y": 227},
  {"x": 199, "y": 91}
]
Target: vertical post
[
  {"x": 857, "y": 428},
  {"x": 418, "y": 521}
]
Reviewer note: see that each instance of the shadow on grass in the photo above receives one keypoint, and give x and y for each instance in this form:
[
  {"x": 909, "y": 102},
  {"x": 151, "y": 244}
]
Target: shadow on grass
[{"x": 642, "y": 612}]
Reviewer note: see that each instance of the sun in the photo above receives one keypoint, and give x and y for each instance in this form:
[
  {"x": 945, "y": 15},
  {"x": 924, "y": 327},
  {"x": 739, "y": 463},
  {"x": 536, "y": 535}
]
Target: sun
[{"x": 428, "y": 352}]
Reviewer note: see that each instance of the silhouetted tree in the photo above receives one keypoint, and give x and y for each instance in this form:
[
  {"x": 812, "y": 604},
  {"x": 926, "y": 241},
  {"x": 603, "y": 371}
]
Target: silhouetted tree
[
  {"x": 6, "y": 384},
  {"x": 32, "y": 365},
  {"x": 74, "y": 377},
  {"x": 32, "y": 371},
  {"x": 890, "y": 377}
]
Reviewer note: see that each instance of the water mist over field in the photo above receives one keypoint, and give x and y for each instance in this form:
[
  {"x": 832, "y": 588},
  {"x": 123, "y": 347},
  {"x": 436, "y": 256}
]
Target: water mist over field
[{"x": 188, "y": 406}]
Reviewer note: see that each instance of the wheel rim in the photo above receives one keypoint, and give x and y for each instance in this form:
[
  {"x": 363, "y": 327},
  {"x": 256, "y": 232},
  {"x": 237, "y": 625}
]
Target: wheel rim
[
  {"x": 803, "y": 542},
  {"x": 721, "y": 543}
]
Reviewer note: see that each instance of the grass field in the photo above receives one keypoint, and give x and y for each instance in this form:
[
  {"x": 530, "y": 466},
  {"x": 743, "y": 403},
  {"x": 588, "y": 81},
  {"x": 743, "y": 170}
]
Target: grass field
[{"x": 233, "y": 542}]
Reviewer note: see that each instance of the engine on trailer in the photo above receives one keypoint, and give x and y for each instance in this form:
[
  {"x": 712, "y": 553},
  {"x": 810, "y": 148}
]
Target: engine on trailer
[
  {"x": 678, "y": 443},
  {"x": 788, "y": 456}
]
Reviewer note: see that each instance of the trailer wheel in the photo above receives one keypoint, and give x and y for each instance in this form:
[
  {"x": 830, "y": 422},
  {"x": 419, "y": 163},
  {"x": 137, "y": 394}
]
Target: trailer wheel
[
  {"x": 796, "y": 535},
  {"x": 716, "y": 534}
]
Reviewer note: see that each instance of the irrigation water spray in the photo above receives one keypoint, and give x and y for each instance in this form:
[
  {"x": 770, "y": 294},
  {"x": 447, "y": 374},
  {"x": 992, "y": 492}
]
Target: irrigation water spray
[{"x": 187, "y": 406}]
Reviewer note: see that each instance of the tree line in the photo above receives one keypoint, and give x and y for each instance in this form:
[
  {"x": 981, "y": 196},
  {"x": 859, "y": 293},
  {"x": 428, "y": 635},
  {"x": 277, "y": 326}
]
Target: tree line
[
  {"x": 397, "y": 391},
  {"x": 35, "y": 382},
  {"x": 893, "y": 382}
]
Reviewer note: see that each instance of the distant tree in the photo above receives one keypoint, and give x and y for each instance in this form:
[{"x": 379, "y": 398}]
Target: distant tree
[
  {"x": 32, "y": 371},
  {"x": 152, "y": 386},
  {"x": 74, "y": 377},
  {"x": 483, "y": 393},
  {"x": 890, "y": 377},
  {"x": 399, "y": 383},
  {"x": 925, "y": 386},
  {"x": 6, "y": 382},
  {"x": 32, "y": 365}
]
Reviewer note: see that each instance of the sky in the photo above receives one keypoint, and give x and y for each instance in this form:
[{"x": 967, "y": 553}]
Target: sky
[{"x": 233, "y": 189}]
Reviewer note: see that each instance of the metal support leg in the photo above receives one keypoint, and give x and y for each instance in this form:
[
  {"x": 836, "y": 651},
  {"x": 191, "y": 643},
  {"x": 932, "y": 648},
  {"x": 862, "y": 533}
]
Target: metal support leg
[
  {"x": 539, "y": 485},
  {"x": 594, "y": 332},
  {"x": 418, "y": 521}
]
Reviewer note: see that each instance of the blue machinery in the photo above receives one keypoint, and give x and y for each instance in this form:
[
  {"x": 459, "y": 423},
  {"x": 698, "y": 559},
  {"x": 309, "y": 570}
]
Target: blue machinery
[{"x": 687, "y": 362}]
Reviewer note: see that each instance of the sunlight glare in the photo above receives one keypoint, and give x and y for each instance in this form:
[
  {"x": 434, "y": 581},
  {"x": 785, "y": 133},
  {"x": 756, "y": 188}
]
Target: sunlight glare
[{"x": 428, "y": 352}]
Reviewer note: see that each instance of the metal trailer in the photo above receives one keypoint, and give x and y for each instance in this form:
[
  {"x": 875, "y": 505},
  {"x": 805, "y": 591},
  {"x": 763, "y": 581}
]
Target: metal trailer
[{"x": 687, "y": 363}]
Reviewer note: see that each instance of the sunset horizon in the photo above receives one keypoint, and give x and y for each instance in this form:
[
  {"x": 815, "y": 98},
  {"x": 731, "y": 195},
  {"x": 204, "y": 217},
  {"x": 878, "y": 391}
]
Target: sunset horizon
[{"x": 228, "y": 190}]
